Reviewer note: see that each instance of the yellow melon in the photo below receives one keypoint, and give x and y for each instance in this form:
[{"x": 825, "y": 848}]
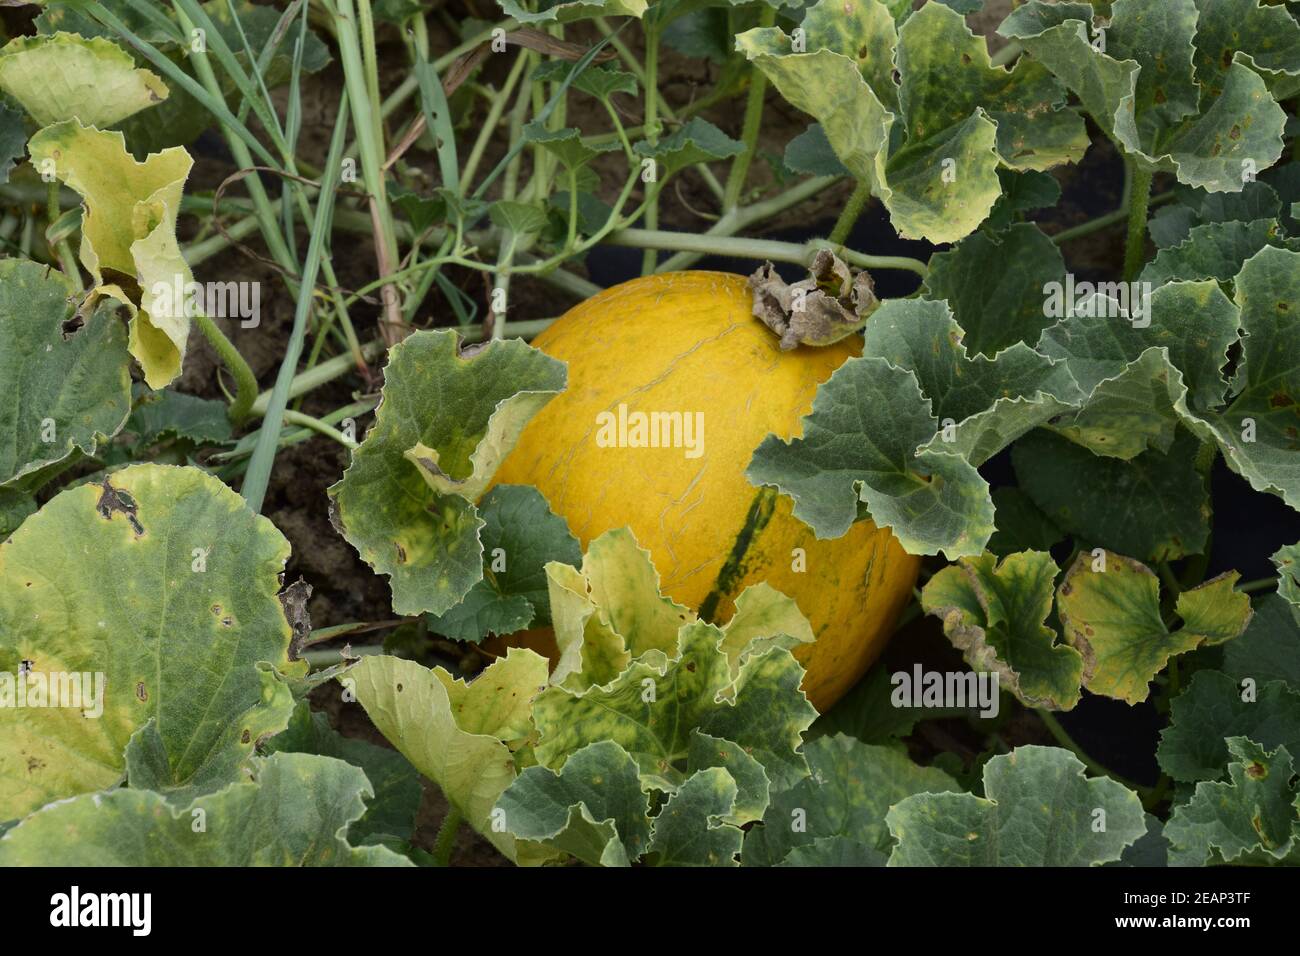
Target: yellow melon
[{"x": 686, "y": 342}]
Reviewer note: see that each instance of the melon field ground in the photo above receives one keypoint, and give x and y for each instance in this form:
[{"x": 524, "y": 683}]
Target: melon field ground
[{"x": 482, "y": 433}]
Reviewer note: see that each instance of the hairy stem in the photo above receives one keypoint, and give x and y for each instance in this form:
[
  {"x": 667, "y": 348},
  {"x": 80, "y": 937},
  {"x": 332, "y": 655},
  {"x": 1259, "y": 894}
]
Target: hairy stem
[
  {"x": 1139, "y": 202},
  {"x": 750, "y": 130},
  {"x": 446, "y": 840},
  {"x": 650, "y": 258},
  {"x": 852, "y": 210},
  {"x": 245, "y": 380}
]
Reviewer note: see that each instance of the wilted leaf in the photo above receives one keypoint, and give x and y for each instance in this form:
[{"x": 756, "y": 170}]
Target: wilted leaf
[
  {"x": 994, "y": 613},
  {"x": 128, "y": 234},
  {"x": 655, "y": 706}
]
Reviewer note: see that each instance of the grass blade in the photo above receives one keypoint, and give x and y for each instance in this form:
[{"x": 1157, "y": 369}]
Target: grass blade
[{"x": 258, "y": 476}]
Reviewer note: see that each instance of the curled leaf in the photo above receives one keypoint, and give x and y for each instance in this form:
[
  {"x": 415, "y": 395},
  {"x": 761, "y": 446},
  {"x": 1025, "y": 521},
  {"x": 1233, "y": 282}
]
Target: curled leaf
[{"x": 829, "y": 305}]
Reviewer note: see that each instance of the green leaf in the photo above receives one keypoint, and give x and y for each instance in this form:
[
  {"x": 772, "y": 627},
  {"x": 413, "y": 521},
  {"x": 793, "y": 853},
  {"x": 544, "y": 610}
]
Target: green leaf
[
  {"x": 568, "y": 12},
  {"x": 1137, "y": 362},
  {"x": 982, "y": 404},
  {"x": 1259, "y": 431},
  {"x": 151, "y": 763},
  {"x": 753, "y": 788},
  {"x": 699, "y": 141},
  {"x": 850, "y": 789},
  {"x": 811, "y": 153},
  {"x": 170, "y": 594},
  {"x": 959, "y": 118},
  {"x": 601, "y": 82},
  {"x": 835, "y": 852},
  {"x": 1171, "y": 224},
  {"x": 68, "y": 77},
  {"x": 295, "y": 813},
  {"x": 994, "y": 285},
  {"x": 520, "y": 536},
  {"x": 689, "y": 830},
  {"x": 128, "y": 234},
  {"x": 860, "y": 444},
  {"x": 995, "y": 613},
  {"x": 1216, "y": 250},
  {"x": 1155, "y": 506},
  {"x": 1270, "y": 34},
  {"x": 1287, "y": 561},
  {"x": 422, "y": 212},
  {"x": 397, "y": 791},
  {"x": 13, "y": 140},
  {"x": 72, "y": 18},
  {"x": 172, "y": 414},
  {"x": 1202, "y": 124},
  {"x": 456, "y": 733},
  {"x": 1112, "y": 615},
  {"x": 653, "y": 708},
  {"x": 593, "y": 808},
  {"x": 518, "y": 217},
  {"x": 1021, "y": 525},
  {"x": 1151, "y": 849},
  {"x": 1214, "y": 707},
  {"x": 259, "y": 23},
  {"x": 447, "y": 419},
  {"x": 1270, "y": 648},
  {"x": 566, "y": 145},
  {"x": 67, "y": 392},
  {"x": 592, "y": 213},
  {"x": 15, "y": 508},
  {"x": 1251, "y": 818},
  {"x": 1038, "y": 810},
  {"x": 1022, "y": 192}
]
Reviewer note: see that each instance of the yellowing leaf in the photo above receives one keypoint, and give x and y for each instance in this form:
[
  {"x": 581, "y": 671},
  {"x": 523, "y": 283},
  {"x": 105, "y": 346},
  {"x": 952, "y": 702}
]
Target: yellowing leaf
[
  {"x": 1112, "y": 617},
  {"x": 128, "y": 233},
  {"x": 456, "y": 733},
  {"x": 68, "y": 77}
]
